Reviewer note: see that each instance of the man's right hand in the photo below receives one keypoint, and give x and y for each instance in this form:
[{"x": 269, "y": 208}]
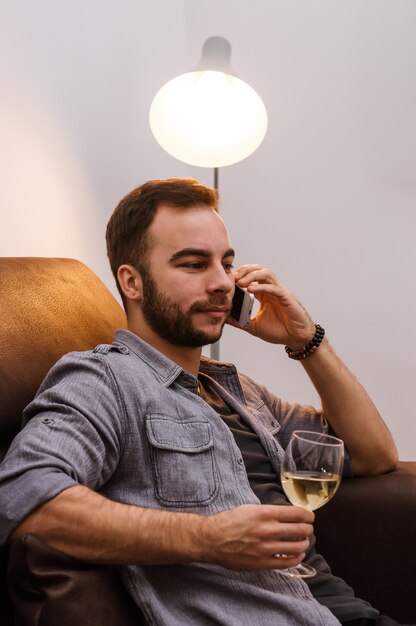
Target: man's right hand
[{"x": 249, "y": 537}]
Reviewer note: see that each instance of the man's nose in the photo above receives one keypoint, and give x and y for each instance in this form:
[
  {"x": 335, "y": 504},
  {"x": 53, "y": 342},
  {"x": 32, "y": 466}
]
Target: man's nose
[{"x": 220, "y": 280}]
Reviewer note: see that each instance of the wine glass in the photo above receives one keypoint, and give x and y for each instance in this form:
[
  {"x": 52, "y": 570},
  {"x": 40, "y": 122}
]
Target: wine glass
[{"x": 310, "y": 474}]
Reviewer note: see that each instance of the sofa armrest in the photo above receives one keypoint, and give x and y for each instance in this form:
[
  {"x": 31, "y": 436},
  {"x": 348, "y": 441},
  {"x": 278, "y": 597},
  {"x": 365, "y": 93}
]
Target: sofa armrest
[
  {"x": 367, "y": 534},
  {"x": 48, "y": 588}
]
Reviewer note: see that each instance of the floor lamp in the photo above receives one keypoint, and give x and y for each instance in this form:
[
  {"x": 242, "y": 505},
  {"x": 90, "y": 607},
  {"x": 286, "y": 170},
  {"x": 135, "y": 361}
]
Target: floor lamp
[{"x": 209, "y": 117}]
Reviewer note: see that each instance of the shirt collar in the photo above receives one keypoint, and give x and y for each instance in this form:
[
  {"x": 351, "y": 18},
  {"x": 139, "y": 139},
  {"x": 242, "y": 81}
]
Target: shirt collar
[{"x": 165, "y": 369}]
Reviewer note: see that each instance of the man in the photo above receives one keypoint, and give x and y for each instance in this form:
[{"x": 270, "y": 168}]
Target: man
[{"x": 166, "y": 462}]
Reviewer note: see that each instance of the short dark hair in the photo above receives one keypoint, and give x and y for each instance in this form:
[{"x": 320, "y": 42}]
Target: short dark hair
[{"x": 127, "y": 231}]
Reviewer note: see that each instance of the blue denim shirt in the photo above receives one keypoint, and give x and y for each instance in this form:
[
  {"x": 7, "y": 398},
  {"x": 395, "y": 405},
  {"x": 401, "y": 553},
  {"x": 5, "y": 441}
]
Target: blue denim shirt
[{"x": 126, "y": 421}]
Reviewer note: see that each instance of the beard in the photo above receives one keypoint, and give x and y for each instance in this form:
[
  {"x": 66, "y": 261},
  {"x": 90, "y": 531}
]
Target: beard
[{"x": 167, "y": 318}]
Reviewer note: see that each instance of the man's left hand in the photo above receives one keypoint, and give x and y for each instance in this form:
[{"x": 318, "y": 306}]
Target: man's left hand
[{"x": 281, "y": 318}]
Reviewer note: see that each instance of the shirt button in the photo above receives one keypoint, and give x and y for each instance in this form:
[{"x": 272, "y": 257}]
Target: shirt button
[
  {"x": 47, "y": 420},
  {"x": 240, "y": 461}
]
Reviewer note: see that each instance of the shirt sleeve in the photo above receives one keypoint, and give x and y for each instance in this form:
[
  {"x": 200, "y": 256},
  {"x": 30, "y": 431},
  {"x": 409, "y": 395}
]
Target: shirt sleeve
[{"x": 73, "y": 434}]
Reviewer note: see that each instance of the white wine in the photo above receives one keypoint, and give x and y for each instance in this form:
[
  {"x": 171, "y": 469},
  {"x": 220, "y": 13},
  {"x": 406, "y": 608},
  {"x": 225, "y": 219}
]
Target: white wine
[{"x": 310, "y": 490}]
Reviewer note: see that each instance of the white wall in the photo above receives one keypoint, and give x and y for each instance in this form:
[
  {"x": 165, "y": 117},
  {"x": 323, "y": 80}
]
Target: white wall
[{"x": 328, "y": 200}]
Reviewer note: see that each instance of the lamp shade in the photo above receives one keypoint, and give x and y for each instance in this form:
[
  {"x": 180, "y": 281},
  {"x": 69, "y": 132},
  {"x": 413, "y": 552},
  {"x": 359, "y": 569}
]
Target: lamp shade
[{"x": 209, "y": 117}]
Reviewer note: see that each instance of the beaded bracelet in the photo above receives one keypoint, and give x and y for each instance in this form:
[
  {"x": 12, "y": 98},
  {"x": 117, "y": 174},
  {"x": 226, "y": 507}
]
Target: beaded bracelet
[{"x": 310, "y": 347}]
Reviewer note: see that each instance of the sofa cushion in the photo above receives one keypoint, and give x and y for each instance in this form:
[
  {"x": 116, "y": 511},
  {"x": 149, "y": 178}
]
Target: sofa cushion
[{"x": 48, "y": 588}]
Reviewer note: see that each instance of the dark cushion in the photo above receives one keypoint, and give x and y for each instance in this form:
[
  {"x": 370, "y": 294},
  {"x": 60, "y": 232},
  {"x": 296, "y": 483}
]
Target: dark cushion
[
  {"x": 367, "y": 534},
  {"x": 48, "y": 588}
]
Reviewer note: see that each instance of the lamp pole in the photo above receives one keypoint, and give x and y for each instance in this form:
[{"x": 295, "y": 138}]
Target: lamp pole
[
  {"x": 216, "y": 178},
  {"x": 215, "y": 347}
]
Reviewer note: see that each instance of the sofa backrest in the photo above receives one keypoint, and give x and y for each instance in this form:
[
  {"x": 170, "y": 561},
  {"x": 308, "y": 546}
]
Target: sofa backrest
[{"x": 48, "y": 307}]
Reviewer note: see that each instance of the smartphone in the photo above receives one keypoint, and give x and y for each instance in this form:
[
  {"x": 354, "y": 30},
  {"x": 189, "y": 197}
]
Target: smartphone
[{"x": 242, "y": 306}]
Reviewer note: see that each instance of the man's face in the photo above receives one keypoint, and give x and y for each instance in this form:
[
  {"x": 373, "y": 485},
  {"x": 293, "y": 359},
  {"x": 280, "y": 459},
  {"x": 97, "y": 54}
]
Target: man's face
[{"x": 188, "y": 282}]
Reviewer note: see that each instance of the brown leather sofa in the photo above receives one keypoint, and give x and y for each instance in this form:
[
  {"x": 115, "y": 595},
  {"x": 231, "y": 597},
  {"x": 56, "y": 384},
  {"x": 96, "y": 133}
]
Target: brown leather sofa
[{"x": 51, "y": 306}]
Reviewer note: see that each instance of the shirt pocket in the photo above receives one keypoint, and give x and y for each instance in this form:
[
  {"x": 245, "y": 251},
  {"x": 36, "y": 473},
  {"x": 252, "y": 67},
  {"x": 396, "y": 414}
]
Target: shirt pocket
[{"x": 183, "y": 462}]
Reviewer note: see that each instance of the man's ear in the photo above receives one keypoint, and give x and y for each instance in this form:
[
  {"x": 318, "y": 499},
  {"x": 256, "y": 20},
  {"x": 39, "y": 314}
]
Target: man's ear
[{"x": 130, "y": 282}]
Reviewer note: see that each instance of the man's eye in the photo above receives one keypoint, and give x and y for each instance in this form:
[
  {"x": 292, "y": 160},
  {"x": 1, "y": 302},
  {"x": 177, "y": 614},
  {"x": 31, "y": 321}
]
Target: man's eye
[
  {"x": 228, "y": 267},
  {"x": 194, "y": 265}
]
